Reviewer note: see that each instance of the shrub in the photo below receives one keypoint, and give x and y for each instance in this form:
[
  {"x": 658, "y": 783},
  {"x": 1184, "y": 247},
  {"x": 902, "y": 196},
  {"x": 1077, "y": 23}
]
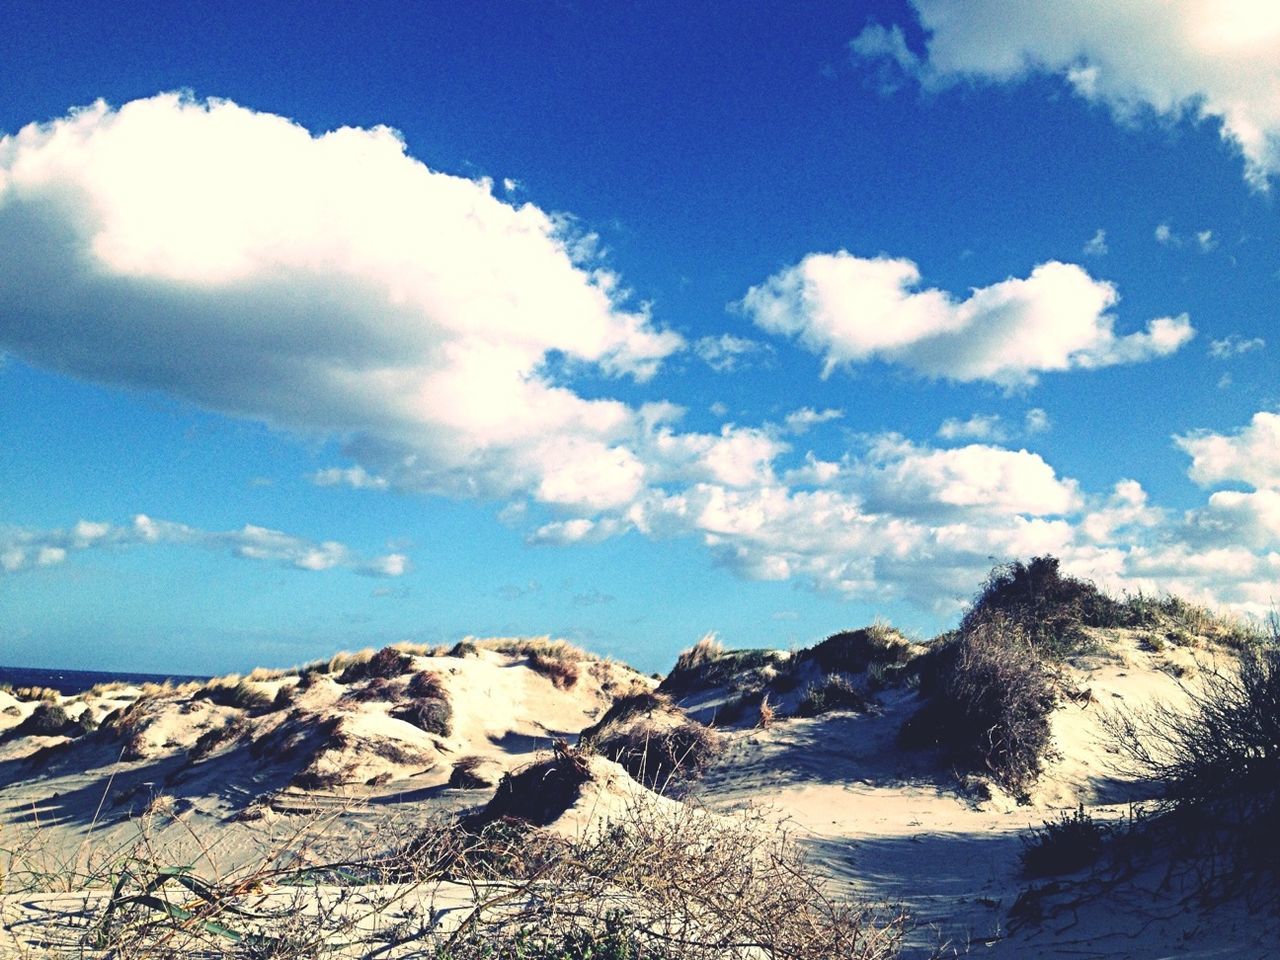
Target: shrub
[
  {"x": 562, "y": 673},
  {"x": 708, "y": 664},
  {"x": 464, "y": 648},
  {"x": 988, "y": 700},
  {"x": 431, "y": 714},
  {"x": 385, "y": 664},
  {"x": 468, "y": 773},
  {"x": 215, "y": 737},
  {"x": 426, "y": 683},
  {"x": 767, "y": 713},
  {"x": 377, "y": 689},
  {"x": 853, "y": 651},
  {"x": 1049, "y": 607},
  {"x": 1070, "y": 843},
  {"x": 662, "y": 759},
  {"x": 834, "y": 692},
  {"x": 540, "y": 792},
  {"x": 49, "y": 719},
  {"x": 1223, "y": 751}
]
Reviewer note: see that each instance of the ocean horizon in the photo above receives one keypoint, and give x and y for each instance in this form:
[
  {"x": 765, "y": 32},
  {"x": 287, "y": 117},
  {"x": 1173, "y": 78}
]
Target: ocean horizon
[{"x": 69, "y": 682}]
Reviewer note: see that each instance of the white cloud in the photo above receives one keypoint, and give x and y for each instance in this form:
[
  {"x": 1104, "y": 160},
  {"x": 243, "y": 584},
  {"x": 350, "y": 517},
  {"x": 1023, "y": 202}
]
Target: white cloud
[
  {"x": 1204, "y": 59},
  {"x": 1250, "y": 455},
  {"x": 328, "y": 284},
  {"x": 1233, "y": 345},
  {"x": 907, "y": 480},
  {"x": 357, "y": 478},
  {"x": 802, "y": 420},
  {"x": 1096, "y": 245},
  {"x": 22, "y": 549},
  {"x": 1036, "y": 420},
  {"x": 727, "y": 353},
  {"x": 852, "y": 310},
  {"x": 1201, "y": 240},
  {"x": 978, "y": 427}
]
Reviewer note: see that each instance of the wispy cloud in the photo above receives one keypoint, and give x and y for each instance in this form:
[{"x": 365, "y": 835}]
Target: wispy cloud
[
  {"x": 727, "y": 353},
  {"x": 1233, "y": 345},
  {"x": 24, "y": 549}
]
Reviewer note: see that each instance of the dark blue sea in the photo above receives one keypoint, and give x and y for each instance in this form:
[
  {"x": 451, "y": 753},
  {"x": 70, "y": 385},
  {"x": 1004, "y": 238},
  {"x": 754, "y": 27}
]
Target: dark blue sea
[{"x": 69, "y": 682}]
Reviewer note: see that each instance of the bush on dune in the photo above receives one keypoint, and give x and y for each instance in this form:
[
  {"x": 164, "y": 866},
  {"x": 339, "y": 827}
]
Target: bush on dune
[
  {"x": 1216, "y": 763},
  {"x": 988, "y": 700}
]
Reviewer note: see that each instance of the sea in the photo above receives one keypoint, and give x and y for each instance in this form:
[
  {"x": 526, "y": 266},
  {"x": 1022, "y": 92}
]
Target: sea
[{"x": 68, "y": 682}]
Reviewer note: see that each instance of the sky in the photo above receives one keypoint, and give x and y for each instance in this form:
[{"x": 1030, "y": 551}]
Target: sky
[{"x": 325, "y": 327}]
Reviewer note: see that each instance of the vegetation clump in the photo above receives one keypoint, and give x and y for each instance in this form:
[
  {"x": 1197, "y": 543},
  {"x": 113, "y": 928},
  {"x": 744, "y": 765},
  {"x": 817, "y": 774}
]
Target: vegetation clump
[
  {"x": 1215, "y": 764},
  {"x": 563, "y": 673},
  {"x": 854, "y": 651},
  {"x": 988, "y": 699},
  {"x": 431, "y": 714},
  {"x": 1070, "y": 843},
  {"x": 385, "y": 664},
  {"x": 50, "y": 719},
  {"x": 233, "y": 692},
  {"x": 834, "y": 692}
]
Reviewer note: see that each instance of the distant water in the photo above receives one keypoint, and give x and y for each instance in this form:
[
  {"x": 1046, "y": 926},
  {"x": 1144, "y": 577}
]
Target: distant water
[{"x": 69, "y": 682}]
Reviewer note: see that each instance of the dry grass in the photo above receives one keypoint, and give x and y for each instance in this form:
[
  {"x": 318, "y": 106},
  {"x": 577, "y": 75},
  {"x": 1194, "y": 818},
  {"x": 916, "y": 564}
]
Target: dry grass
[{"x": 661, "y": 882}]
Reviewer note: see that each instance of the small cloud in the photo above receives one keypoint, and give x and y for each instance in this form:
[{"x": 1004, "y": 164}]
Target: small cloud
[
  {"x": 1097, "y": 245},
  {"x": 592, "y": 598},
  {"x": 977, "y": 427},
  {"x": 719, "y": 409},
  {"x": 727, "y": 353},
  {"x": 510, "y": 185},
  {"x": 800, "y": 421},
  {"x": 784, "y": 615},
  {"x": 1036, "y": 421},
  {"x": 1224, "y": 381},
  {"x": 1233, "y": 345},
  {"x": 390, "y": 565},
  {"x": 261, "y": 482},
  {"x": 885, "y": 50},
  {"x": 515, "y": 591},
  {"x": 1202, "y": 240},
  {"x": 355, "y": 477}
]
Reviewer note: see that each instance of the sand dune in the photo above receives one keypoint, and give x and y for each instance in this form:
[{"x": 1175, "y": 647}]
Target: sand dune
[{"x": 365, "y": 749}]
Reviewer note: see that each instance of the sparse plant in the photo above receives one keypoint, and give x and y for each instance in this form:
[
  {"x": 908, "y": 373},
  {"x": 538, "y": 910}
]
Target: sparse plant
[
  {"x": 426, "y": 683},
  {"x": 234, "y": 692},
  {"x": 767, "y": 713},
  {"x": 468, "y": 773},
  {"x": 464, "y": 648},
  {"x": 1071, "y": 842},
  {"x": 386, "y": 664},
  {"x": 1220, "y": 752},
  {"x": 430, "y": 714},
  {"x": 833, "y": 692},
  {"x": 562, "y": 673},
  {"x": 664, "y": 759}
]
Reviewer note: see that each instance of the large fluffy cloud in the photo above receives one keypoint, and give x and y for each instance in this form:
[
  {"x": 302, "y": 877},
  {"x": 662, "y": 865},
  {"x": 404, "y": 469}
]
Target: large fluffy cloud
[
  {"x": 328, "y": 283},
  {"x": 1211, "y": 59},
  {"x": 853, "y": 309},
  {"x": 22, "y": 549}
]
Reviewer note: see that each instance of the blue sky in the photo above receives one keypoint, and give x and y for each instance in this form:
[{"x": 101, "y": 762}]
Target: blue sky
[{"x": 624, "y": 322}]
